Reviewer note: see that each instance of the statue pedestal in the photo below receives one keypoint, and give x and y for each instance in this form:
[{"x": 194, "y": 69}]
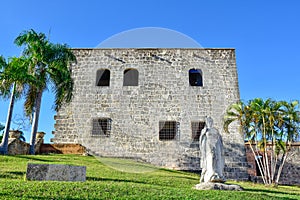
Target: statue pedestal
[{"x": 217, "y": 186}]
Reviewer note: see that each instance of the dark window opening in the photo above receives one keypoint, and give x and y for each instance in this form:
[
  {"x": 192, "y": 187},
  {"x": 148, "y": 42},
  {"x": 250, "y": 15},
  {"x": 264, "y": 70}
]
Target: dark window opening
[
  {"x": 103, "y": 77},
  {"x": 168, "y": 130},
  {"x": 101, "y": 127},
  {"x": 131, "y": 77},
  {"x": 195, "y": 77},
  {"x": 196, "y": 130}
]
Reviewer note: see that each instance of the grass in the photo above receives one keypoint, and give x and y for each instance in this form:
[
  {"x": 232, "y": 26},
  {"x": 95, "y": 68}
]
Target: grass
[{"x": 107, "y": 180}]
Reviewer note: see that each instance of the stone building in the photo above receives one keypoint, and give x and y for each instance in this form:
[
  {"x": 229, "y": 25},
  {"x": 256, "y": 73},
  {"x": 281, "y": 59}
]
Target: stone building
[{"x": 151, "y": 104}]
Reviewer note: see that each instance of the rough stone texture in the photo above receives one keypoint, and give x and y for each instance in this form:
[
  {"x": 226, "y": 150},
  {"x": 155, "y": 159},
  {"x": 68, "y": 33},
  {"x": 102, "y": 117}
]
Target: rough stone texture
[
  {"x": 19, "y": 147},
  {"x": 163, "y": 93},
  {"x": 291, "y": 171},
  {"x": 48, "y": 172},
  {"x": 39, "y": 142},
  {"x": 217, "y": 186}
]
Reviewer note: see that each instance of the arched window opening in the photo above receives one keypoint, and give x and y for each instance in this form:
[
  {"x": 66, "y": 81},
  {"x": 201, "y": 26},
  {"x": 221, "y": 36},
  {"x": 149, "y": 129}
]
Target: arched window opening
[
  {"x": 131, "y": 77},
  {"x": 195, "y": 77},
  {"x": 103, "y": 77}
]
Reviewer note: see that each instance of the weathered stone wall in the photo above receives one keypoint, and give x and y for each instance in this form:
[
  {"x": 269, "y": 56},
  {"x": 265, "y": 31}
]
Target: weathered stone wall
[
  {"x": 163, "y": 94},
  {"x": 62, "y": 149},
  {"x": 18, "y": 147},
  {"x": 291, "y": 171}
]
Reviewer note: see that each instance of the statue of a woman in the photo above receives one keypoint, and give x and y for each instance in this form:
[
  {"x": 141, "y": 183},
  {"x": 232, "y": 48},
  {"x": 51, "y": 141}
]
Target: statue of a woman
[{"x": 212, "y": 154}]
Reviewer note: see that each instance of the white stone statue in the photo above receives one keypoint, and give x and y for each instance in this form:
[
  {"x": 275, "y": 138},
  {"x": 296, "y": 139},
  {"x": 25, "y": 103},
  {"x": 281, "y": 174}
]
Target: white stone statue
[{"x": 212, "y": 154}]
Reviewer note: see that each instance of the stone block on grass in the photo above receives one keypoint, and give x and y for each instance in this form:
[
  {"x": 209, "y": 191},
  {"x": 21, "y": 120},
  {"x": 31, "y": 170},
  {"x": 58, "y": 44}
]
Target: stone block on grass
[{"x": 55, "y": 172}]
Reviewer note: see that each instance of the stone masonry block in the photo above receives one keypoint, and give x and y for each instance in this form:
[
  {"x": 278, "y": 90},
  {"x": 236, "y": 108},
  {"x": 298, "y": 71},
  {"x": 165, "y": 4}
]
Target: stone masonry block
[{"x": 54, "y": 172}]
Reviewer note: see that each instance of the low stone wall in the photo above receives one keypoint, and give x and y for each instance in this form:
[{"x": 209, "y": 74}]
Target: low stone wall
[
  {"x": 291, "y": 170},
  {"x": 62, "y": 149},
  {"x": 18, "y": 147}
]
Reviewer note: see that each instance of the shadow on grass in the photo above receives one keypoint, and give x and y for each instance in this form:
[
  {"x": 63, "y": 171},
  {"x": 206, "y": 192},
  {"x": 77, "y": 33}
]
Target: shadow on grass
[
  {"x": 124, "y": 180},
  {"x": 29, "y": 157},
  {"x": 265, "y": 191},
  {"x": 12, "y": 175},
  {"x": 115, "y": 180},
  {"x": 9, "y": 196}
]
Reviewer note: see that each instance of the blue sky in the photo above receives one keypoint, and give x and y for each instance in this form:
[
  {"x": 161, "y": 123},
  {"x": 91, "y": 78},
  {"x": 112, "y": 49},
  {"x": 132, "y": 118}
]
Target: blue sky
[{"x": 265, "y": 35}]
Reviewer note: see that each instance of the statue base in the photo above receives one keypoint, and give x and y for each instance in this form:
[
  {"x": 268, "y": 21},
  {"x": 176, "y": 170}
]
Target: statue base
[{"x": 217, "y": 186}]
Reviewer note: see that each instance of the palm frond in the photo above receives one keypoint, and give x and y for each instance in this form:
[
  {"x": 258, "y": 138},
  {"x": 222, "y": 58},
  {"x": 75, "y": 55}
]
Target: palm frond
[
  {"x": 226, "y": 124},
  {"x": 62, "y": 84},
  {"x": 30, "y": 98},
  {"x": 2, "y": 63}
]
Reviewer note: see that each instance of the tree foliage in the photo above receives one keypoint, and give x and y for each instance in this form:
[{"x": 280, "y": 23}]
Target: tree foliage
[
  {"x": 41, "y": 64},
  {"x": 14, "y": 81},
  {"x": 49, "y": 65},
  {"x": 270, "y": 127}
]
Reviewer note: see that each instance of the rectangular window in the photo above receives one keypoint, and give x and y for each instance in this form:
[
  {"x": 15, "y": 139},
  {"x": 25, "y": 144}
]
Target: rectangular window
[
  {"x": 196, "y": 130},
  {"x": 131, "y": 77},
  {"x": 195, "y": 77},
  {"x": 168, "y": 130},
  {"x": 101, "y": 127},
  {"x": 103, "y": 77}
]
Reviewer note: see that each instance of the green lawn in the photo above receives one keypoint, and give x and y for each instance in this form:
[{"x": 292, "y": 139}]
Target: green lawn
[{"x": 119, "y": 179}]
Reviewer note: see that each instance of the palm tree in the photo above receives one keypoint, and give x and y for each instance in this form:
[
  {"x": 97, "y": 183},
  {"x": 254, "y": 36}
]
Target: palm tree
[
  {"x": 267, "y": 122},
  {"x": 50, "y": 65},
  {"x": 12, "y": 81},
  {"x": 2, "y": 63},
  {"x": 244, "y": 115},
  {"x": 290, "y": 131},
  {"x": 1, "y": 128},
  {"x": 2, "y": 66},
  {"x": 236, "y": 112},
  {"x": 261, "y": 116}
]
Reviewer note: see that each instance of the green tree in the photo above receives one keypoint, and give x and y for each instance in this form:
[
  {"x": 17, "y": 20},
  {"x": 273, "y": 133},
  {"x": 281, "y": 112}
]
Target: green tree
[
  {"x": 12, "y": 82},
  {"x": 265, "y": 114},
  {"x": 49, "y": 64},
  {"x": 270, "y": 128},
  {"x": 237, "y": 112},
  {"x": 289, "y": 131},
  {"x": 3, "y": 90},
  {"x": 1, "y": 128}
]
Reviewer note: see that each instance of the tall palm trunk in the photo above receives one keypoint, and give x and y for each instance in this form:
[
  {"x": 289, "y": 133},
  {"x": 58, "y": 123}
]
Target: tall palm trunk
[
  {"x": 4, "y": 144},
  {"x": 267, "y": 175},
  {"x": 273, "y": 158},
  {"x": 258, "y": 162},
  {"x": 35, "y": 122}
]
